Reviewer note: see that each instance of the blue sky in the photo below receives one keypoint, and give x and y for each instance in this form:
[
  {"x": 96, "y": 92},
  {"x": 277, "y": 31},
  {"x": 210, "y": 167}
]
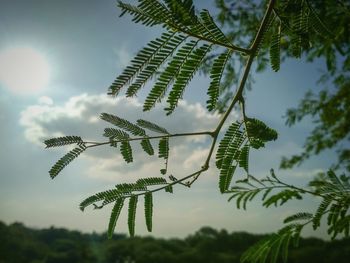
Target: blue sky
[{"x": 86, "y": 45}]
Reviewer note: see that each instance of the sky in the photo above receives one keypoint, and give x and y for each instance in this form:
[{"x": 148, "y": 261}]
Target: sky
[{"x": 79, "y": 47}]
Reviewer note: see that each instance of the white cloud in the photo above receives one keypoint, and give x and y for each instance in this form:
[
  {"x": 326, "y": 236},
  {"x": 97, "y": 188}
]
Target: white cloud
[{"x": 79, "y": 116}]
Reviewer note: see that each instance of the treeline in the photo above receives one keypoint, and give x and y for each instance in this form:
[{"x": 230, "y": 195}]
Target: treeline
[{"x": 55, "y": 245}]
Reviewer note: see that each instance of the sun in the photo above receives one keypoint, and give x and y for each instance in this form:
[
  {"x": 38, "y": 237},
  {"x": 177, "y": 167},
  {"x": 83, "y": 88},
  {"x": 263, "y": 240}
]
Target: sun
[{"x": 23, "y": 70}]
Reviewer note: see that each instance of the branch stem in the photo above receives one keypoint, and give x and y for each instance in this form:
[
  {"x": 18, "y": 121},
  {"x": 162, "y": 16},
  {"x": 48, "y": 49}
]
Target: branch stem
[{"x": 95, "y": 144}]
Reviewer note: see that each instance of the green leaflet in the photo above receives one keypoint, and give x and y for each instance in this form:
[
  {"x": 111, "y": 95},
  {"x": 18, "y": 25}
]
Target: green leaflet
[
  {"x": 213, "y": 32},
  {"x": 154, "y": 10},
  {"x": 316, "y": 221},
  {"x": 132, "y": 214},
  {"x": 183, "y": 12},
  {"x": 123, "y": 124},
  {"x": 299, "y": 28},
  {"x": 143, "y": 13},
  {"x": 169, "y": 74},
  {"x": 297, "y": 217},
  {"x": 147, "y": 146},
  {"x": 138, "y": 63},
  {"x": 115, "y": 134},
  {"x": 186, "y": 73},
  {"x": 128, "y": 188},
  {"x": 153, "y": 65},
  {"x": 148, "y": 181},
  {"x": 65, "y": 160},
  {"x": 216, "y": 73},
  {"x": 163, "y": 152},
  {"x": 148, "y": 210},
  {"x": 271, "y": 246},
  {"x": 275, "y": 47},
  {"x": 281, "y": 198},
  {"x": 226, "y": 178},
  {"x": 169, "y": 189},
  {"x": 244, "y": 158},
  {"x": 227, "y": 167},
  {"x": 151, "y": 126},
  {"x": 108, "y": 194},
  {"x": 258, "y": 133},
  {"x": 126, "y": 151},
  {"x": 317, "y": 24},
  {"x": 163, "y": 148},
  {"x": 229, "y": 136},
  {"x": 61, "y": 141},
  {"x": 117, "y": 208}
]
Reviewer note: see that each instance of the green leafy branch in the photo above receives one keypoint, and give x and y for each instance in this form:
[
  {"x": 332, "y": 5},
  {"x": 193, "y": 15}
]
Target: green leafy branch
[
  {"x": 179, "y": 71},
  {"x": 334, "y": 194},
  {"x": 174, "y": 58}
]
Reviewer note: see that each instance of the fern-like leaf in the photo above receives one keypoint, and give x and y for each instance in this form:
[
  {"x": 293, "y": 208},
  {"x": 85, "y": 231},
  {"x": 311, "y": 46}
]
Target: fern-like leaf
[
  {"x": 113, "y": 134},
  {"x": 321, "y": 210},
  {"x": 259, "y": 133},
  {"x": 183, "y": 11},
  {"x": 298, "y": 217},
  {"x": 117, "y": 208},
  {"x": 282, "y": 197},
  {"x": 151, "y": 126},
  {"x": 126, "y": 151},
  {"x": 227, "y": 167},
  {"x": 317, "y": 24},
  {"x": 65, "y": 160},
  {"x": 112, "y": 194},
  {"x": 148, "y": 210},
  {"x": 272, "y": 246},
  {"x": 163, "y": 152},
  {"x": 163, "y": 148},
  {"x": 147, "y": 146},
  {"x": 226, "y": 178},
  {"x": 299, "y": 28},
  {"x": 231, "y": 133},
  {"x": 244, "y": 158},
  {"x": 140, "y": 15},
  {"x": 61, "y": 141},
  {"x": 168, "y": 75},
  {"x": 123, "y": 124},
  {"x": 186, "y": 73},
  {"x": 169, "y": 189},
  {"x": 148, "y": 181},
  {"x": 141, "y": 60},
  {"x": 132, "y": 214},
  {"x": 153, "y": 65},
  {"x": 275, "y": 48},
  {"x": 214, "y": 33},
  {"x": 216, "y": 74}
]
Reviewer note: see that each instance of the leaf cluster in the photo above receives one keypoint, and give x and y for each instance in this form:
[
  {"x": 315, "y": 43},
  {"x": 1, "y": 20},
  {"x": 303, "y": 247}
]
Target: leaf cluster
[
  {"x": 176, "y": 55},
  {"x": 116, "y": 136},
  {"x": 333, "y": 190},
  {"x": 130, "y": 191},
  {"x": 234, "y": 148}
]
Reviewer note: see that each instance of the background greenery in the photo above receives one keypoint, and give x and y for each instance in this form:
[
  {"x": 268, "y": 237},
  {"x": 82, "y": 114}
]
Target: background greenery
[{"x": 19, "y": 243}]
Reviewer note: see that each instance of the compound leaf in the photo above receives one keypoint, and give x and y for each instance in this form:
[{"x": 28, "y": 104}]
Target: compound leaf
[
  {"x": 117, "y": 208},
  {"x": 132, "y": 214}
]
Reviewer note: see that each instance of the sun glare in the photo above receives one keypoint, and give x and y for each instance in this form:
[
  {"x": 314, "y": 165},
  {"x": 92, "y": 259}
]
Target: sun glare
[{"x": 23, "y": 70}]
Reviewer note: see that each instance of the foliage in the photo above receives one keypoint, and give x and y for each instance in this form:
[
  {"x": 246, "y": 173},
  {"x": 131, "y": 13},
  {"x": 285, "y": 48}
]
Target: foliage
[
  {"x": 333, "y": 190},
  {"x": 19, "y": 243},
  {"x": 321, "y": 26},
  {"x": 193, "y": 41}
]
